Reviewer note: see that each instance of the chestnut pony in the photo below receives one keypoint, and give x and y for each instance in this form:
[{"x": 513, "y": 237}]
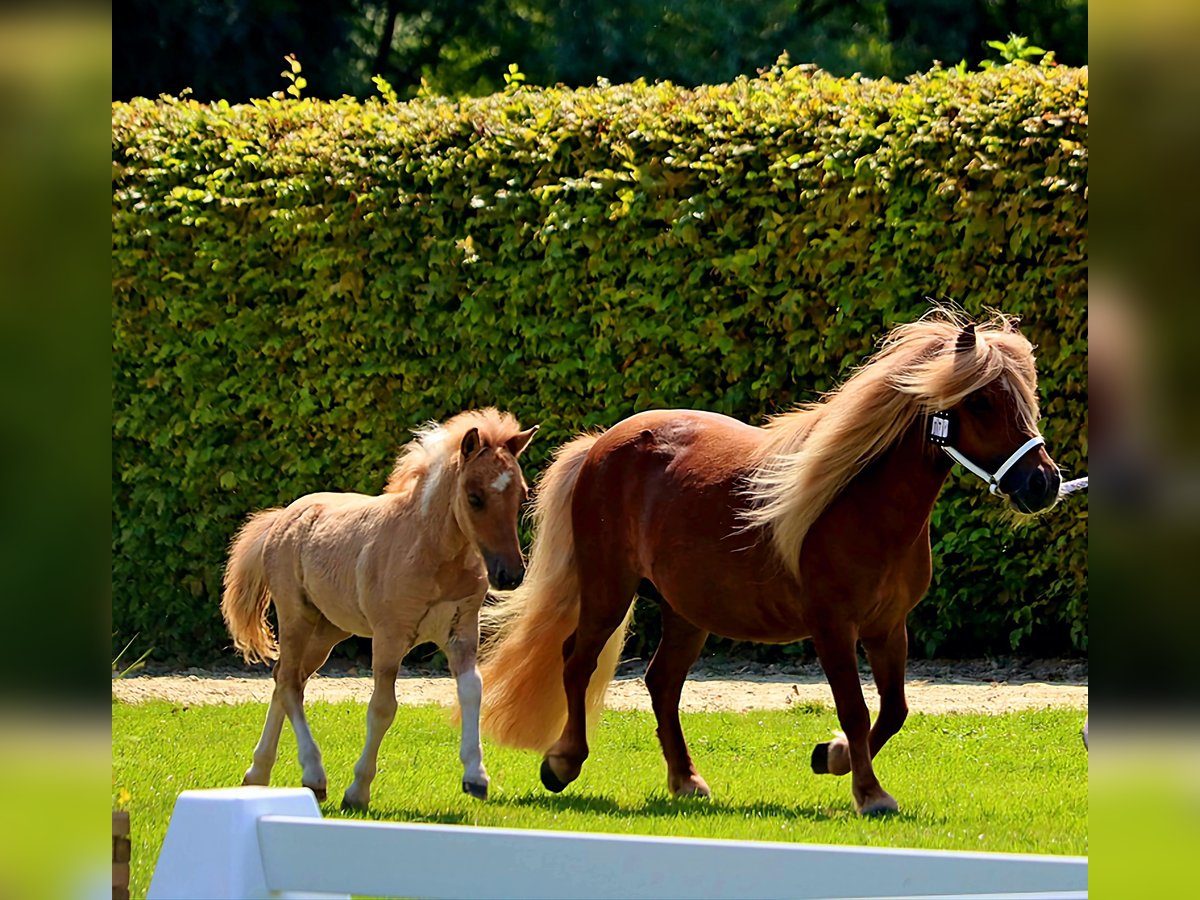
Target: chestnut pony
[
  {"x": 410, "y": 565},
  {"x": 815, "y": 525}
]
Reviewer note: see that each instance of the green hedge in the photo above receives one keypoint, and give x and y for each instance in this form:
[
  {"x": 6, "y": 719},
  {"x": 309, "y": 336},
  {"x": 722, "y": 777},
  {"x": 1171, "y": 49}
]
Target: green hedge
[{"x": 296, "y": 284}]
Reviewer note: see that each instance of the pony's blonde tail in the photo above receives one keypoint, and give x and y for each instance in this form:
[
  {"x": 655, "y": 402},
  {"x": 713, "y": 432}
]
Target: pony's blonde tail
[
  {"x": 245, "y": 599},
  {"x": 524, "y": 703}
]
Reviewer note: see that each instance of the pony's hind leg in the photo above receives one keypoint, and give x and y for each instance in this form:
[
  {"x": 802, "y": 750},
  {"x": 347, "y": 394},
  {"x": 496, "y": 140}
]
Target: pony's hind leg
[
  {"x": 386, "y": 653},
  {"x": 461, "y": 652},
  {"x": 679, "y": 648},
  {"x": 603, "y": 605},
  {"x": 836, "y": 650}
]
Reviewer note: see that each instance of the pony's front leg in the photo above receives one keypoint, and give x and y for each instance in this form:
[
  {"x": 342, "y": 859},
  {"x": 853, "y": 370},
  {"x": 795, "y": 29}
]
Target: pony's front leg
[
  {"x": 381, "y": 712},
  {"x": 836, "y": 651},
  {"x": 461, "y": 651},
  {"x": 888, "y": 655}
]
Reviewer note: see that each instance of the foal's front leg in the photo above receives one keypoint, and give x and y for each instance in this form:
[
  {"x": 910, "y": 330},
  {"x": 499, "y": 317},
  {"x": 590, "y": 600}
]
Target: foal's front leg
[
  {"x": 386, "y": 654},
  {"x": 461, "y": 651}
]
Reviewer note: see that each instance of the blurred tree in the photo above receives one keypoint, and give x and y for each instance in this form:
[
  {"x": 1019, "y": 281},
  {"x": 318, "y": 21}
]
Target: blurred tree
[
  {"x": 234, "y": 48},
  {"x": 229, "y": 49}
]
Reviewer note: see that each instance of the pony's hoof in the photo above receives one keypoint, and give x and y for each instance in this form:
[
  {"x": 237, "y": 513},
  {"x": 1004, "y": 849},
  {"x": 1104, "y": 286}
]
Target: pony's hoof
[
  {"x": 550, "y": 781},
  {"x": 884, "y": 805},
  {"x": 318, "y": 791},
  {"x": 479, "y": 791},
  {"x": 695, "y": 786},
  {"x": 820, "y": 759},
  {"x": 831, "y": 758}
]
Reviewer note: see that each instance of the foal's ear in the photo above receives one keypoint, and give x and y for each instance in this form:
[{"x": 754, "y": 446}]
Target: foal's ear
[
  {"x": 520, "y": 441},
  {"x": 966, "y": 339},
  {"x": 470, "y": 443},
  {"x": 1012, "y": 323}
]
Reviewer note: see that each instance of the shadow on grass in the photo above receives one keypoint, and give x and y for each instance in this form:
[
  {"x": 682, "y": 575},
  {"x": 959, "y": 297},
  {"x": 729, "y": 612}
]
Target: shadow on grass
[{"x": 653, "y": 806}]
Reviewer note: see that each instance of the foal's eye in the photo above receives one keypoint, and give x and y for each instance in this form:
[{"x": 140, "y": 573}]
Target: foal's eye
[{"x": 475, "y": 500}]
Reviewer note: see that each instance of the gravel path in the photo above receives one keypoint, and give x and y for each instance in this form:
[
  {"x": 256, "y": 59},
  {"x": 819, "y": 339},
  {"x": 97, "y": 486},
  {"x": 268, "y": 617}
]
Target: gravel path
[{"x": 932, "y": 687}]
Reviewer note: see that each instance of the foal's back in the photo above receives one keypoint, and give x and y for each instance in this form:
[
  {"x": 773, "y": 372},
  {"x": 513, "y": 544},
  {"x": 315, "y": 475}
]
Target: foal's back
[{"x": 349, "y": 555}]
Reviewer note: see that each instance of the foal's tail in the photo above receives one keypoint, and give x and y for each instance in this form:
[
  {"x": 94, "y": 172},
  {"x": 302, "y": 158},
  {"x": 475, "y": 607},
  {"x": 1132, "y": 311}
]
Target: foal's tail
[
  {"x": 245, "y": 600},
  {"x": 524, "y": 702}
]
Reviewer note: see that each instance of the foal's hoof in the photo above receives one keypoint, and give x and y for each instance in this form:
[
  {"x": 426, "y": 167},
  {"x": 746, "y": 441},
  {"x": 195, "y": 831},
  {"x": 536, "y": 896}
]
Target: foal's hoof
[
  {"x": 550, "y": 781},
  {"x": 479, "y": 791},
  {"x": 318, "y": 791},
  {"x": 350, "y": 804}
]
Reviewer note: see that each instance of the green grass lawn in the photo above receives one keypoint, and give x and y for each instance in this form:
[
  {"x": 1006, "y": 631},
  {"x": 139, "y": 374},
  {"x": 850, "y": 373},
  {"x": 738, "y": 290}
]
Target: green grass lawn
[{"x": 1015, "y": 782}]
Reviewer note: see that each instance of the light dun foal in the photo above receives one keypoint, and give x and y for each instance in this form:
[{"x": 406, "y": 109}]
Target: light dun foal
[{"x": 408, "y": 566}]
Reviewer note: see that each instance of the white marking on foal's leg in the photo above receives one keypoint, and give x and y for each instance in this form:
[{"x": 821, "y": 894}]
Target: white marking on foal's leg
[
  {"x": 381, "y": 711},
  {"x": 312, "y": 770},
  {"x": 470, "y": 695},
  {"x": 501, "y": 481},
  {"x": 268, "y": 745}
]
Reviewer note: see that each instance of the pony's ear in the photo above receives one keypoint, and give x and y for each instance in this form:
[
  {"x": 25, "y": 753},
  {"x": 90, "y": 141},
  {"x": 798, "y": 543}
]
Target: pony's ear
[
  {"x": 966, "y": 339},
  {"x": 520, "y": 441},
  {"x": 470, "y": 443},
  {"x": 1012, "y": 323}
]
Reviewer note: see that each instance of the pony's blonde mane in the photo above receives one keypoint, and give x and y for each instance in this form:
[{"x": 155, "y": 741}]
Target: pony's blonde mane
[
  {"x": 813, "y": 452},
  {"x": 434, "y": 449}
]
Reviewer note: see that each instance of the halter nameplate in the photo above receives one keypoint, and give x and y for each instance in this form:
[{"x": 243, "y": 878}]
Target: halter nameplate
[{"x": 941, "y": 429}]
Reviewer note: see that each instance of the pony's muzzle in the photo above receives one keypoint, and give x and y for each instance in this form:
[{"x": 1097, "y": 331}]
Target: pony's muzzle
[{"x": 1040, "y": 489}]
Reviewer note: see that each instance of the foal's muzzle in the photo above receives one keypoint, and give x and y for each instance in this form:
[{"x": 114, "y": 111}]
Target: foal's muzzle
[{"x": 504, "y": 576}]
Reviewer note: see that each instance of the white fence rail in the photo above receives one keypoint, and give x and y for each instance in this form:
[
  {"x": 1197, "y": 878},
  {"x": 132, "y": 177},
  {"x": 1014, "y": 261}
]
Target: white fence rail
[{"x": 264, "y": 842}]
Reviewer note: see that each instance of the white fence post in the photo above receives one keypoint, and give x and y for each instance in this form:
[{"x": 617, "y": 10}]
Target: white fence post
[{"x": 211, "y": 849}]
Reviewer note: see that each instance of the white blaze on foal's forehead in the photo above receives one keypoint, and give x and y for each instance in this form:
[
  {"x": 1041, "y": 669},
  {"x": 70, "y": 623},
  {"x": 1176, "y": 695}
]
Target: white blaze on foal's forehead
[{"x": 501, "y": 481}]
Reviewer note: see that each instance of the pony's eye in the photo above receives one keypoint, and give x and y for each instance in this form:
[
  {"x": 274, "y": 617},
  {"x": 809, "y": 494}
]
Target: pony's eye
[
  {"x": 475, "y": 500},
  {"x": 979, "y": 401}
]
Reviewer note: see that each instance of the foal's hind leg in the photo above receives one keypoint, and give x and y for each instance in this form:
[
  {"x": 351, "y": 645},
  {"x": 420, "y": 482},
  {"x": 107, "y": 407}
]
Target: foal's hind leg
[
  {"x": 461, "y": 651},
  {"x": 677, "y": 651},
  {"x": 312, "y": 655},
  {"x": 386, "y": 653},
  {"x": 295, "y": 635},
  {"x": 603, "y": 605},
  {"x": 836, "y": 649}
]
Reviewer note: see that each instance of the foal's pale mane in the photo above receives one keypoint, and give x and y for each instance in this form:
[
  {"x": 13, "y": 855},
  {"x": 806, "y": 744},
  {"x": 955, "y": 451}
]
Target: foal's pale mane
[
  {"x": 813, "y": 452},
  {"x": 434, "y": 450}
]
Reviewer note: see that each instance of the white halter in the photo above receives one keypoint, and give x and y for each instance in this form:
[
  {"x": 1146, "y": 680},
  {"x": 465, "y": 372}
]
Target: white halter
[
  {"x": 940, "y": 434},
  {"x": 994, "y": 480}
]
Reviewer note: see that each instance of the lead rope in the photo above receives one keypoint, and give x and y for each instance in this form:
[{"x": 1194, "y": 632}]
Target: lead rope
[{"x": 1070, "y": 487}]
